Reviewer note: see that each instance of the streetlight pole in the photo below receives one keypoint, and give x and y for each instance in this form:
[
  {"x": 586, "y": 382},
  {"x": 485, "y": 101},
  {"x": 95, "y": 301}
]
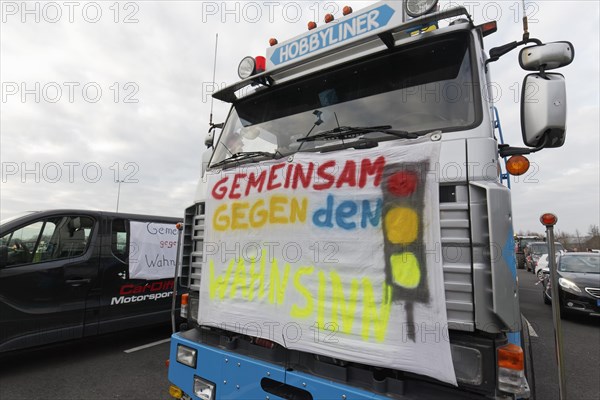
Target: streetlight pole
[{"x": 118, "y": 194}]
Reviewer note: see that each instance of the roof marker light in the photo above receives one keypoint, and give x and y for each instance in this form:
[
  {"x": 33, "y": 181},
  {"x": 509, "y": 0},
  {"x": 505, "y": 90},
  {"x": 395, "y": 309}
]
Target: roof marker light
[
  {"x": 488, "y": 28},
  {"x": 273, "y": 41},
  {"x": 312, "y": 25},
  {"x": 347, "y": 10},
  {"x": 260, "y": 64},
  {"x": 517, "y": 165},
  {"x": 328, "y": 18}
]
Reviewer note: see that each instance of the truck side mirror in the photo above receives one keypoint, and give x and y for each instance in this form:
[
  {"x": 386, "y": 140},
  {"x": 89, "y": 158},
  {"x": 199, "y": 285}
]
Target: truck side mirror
[
  {"x": 209, "y": 139},
  {"x": 544, "y": 110},
  {"x": 547, "y": 56},
  {"x": 210, "y": 136}
]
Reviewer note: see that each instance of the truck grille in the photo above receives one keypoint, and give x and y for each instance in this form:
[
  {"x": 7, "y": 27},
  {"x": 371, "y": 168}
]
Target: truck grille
[
  {"x": 456, "y": 257},
  {"x": 193, "y": 245}
]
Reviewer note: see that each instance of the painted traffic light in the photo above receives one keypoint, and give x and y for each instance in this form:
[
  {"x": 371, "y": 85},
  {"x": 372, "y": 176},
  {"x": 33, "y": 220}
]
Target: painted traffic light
[{"x": 403, "y": 204}]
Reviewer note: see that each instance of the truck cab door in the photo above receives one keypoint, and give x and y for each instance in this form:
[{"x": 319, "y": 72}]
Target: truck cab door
[{"x": 46, "y": 271}]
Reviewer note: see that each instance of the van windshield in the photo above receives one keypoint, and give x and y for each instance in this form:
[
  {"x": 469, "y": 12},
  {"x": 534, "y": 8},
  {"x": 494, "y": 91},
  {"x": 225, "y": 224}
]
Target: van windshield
[{"x": 419, "y": 88}]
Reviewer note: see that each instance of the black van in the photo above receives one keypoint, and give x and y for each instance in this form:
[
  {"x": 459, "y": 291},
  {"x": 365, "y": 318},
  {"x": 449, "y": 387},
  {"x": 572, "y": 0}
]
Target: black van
[{"x": 67, "y": 274}]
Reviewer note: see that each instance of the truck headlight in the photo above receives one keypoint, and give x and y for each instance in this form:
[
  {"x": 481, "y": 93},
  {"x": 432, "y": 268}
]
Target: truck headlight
[
  {"x": 186, "y": 356},
  {"x": 467, "y": 364},
  {"x": 204, "y": 389}
]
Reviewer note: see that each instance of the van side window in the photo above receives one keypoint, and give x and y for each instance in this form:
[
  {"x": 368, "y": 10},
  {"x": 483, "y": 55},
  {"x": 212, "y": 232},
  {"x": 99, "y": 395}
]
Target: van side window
[
  {"x": 66, "y": 237},
  {"x": 70, "y": 237},
  {"x": 20, "y": 246},
  {"x": 119, "y": 237},
  {"x": 50, "y": 239}
]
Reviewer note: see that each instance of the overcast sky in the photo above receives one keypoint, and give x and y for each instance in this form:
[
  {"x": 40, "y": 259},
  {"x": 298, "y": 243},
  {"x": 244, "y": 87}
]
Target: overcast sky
[{"x": 96, "y": 92}]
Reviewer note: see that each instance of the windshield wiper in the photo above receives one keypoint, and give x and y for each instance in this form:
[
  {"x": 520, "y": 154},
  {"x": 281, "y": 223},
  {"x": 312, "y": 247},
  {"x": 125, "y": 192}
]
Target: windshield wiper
[
  {"x": 243, "y": 155},
  {"x": 344, "y": 132}
]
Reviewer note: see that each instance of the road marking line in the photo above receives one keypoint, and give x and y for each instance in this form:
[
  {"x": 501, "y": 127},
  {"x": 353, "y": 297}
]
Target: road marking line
[
  {"x": 532, "y": 331},
  {"x": 148, "y": 345}
]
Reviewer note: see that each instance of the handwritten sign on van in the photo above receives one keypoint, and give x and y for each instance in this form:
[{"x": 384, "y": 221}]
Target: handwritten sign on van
[{"x": 152, "y": 250}]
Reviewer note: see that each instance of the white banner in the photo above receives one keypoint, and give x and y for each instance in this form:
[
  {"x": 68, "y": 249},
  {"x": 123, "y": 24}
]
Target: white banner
[
  {"x": 336, "y": 254},
  {"x": 152, "y": 250}
]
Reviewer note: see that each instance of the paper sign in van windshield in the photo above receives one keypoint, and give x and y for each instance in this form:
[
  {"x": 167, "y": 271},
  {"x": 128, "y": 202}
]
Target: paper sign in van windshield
[
  {"x": 152, "y": 250},
  {"x": 332, "y": 253},
  {"x": 334, "y": 34}
]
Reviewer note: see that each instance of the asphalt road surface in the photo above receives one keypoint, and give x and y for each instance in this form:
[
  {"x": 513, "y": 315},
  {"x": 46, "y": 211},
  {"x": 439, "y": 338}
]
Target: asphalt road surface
[
  {"x": 581, "y": 336},
  {"x": 100, "y": 368},
  {"x": 91, "y": 369}
]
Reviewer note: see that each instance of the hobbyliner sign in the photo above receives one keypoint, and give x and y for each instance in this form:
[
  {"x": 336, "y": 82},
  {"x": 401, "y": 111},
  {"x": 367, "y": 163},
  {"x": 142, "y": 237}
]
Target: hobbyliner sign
[
  {"x": 375, "y": 297},
  {"x": 344, "y": 31},
  {"x": 152, "y": 250}
]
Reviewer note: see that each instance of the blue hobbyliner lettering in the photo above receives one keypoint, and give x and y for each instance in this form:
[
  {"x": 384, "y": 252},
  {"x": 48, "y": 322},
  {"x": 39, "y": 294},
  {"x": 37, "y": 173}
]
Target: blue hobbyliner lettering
[{"x": 336, "y": 33}]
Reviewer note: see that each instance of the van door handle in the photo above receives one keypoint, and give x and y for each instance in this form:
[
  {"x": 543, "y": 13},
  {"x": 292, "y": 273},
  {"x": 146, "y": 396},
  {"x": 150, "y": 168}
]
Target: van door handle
[{"x": 78, "y": 282}]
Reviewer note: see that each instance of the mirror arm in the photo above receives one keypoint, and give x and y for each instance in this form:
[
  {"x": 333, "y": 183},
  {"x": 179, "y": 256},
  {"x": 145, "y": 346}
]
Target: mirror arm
[
  {"x": 497, "y": 52},
  {"x": 215, "y": 126},
  {"x": 505, "y": 150}
]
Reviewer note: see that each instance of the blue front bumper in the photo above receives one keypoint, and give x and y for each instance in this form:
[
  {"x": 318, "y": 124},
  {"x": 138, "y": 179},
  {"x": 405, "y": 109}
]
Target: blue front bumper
[{"x": 240, "y": 377}]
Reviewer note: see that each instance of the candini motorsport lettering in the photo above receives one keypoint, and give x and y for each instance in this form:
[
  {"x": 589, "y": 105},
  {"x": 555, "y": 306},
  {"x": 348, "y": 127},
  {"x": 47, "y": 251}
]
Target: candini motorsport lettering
[
  {"x": 335, "y": 33},
  {"x": 131, "y": 293}
]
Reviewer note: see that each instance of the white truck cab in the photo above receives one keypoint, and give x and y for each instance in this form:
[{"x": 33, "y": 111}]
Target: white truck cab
[{"x": 351, "y": 236}]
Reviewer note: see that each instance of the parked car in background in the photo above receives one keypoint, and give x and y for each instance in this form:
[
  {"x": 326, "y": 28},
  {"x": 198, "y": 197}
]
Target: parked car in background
[
  {"x": 542, "y": 265},
  {"x": 534, "y": 250},
  {"x": 578, "y": 283},
  {"x": 520, "y": 243},
  {"x": 68, "y": 274}
]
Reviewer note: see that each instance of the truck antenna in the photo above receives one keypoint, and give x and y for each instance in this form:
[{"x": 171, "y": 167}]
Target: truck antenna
[
  {"x": 212, "y": 99},
  {"x": 525, "y": 25}
]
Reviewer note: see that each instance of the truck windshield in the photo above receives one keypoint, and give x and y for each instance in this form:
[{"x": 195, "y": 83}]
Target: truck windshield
[{"x": 418, "y": 88}]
